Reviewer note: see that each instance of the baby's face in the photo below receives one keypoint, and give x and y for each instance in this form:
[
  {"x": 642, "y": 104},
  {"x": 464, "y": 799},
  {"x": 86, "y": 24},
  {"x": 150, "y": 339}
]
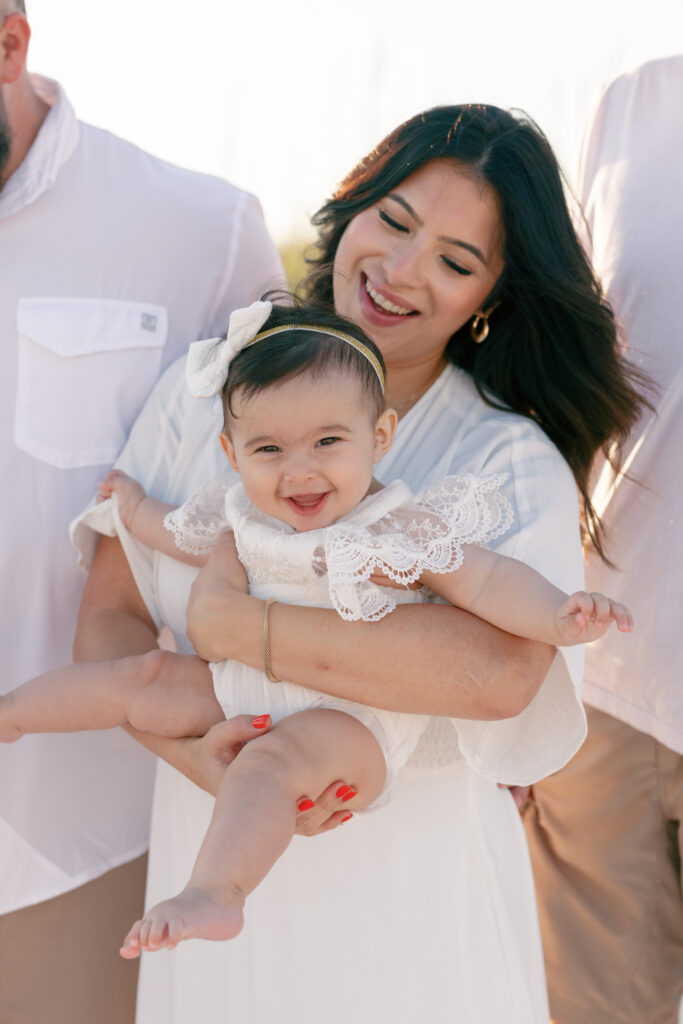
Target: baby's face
[{"x": 306, "y": 448}]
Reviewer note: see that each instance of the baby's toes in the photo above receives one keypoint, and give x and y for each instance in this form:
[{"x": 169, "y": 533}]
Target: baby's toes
[
  {"x": 145, "y": 933},
  {"x": 158, "y": 933},
  {"x": 175, "y": 933},
  {"x": 131, "y": 943}
]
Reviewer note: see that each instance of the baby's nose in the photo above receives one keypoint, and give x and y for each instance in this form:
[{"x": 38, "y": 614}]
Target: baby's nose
[{"x": 299, "y": 467}]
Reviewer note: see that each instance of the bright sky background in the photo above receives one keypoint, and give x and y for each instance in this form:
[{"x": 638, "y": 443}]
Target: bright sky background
[{"x": 284, "y": 98}]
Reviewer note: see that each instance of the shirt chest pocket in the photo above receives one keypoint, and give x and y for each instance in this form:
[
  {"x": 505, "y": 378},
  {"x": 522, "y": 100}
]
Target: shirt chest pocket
[{"x": 85, "y": 368}]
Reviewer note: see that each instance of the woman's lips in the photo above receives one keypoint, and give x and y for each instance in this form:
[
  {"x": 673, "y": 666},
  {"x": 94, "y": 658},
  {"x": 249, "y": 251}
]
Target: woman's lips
[
  {"x": 377, "y": 313},
  {"x": 307, "y": 504}
]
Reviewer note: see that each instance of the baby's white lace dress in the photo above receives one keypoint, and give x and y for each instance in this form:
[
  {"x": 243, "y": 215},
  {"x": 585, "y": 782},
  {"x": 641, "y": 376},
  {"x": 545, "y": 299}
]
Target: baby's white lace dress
[{"x": 391, "y": 531}]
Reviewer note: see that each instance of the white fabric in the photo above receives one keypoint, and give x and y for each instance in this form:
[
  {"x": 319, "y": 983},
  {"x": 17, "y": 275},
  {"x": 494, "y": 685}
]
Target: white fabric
[
  {"x": 630, "y": 185},
  {"x": 110, "y": 262},
  {"x": 208, "y": 362},
  {"x": 426, "y": 910},
  {"x": 390, "y": 530}
]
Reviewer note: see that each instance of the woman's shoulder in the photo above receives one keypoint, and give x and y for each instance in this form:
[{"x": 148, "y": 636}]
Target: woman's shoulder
[{"x": 485, "y": 438}]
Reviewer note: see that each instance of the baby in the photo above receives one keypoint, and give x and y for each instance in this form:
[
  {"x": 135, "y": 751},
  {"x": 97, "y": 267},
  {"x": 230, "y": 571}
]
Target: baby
[{"x": 304, "y": 424}]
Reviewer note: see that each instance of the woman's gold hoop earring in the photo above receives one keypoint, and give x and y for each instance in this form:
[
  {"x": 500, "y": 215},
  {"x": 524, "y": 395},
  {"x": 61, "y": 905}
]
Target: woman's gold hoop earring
[{"x": 478, "y": 333}]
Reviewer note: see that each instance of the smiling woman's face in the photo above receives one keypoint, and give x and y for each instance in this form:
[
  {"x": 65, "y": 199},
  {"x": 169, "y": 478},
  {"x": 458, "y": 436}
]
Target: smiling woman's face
[{"x": 417, "y": 265}]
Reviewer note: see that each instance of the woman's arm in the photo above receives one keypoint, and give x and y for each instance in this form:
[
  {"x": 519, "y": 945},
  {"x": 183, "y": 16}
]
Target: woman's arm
[{"x": 425, "y": 659}]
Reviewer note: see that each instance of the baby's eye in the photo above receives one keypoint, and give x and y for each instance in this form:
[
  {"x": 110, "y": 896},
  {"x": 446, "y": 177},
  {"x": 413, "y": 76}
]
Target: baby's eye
[
  {"x": 456, "y": 266},
  {"x": 268, "y": 448},
  {"x": 326, "y": 441},
  {"x": 383, "y": 215}
]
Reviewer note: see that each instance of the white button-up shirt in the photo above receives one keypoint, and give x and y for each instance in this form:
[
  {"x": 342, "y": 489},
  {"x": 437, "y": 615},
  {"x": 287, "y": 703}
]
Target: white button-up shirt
[
  {"x": 630, "y": 186},
  {"x": 111, "y": 262}
]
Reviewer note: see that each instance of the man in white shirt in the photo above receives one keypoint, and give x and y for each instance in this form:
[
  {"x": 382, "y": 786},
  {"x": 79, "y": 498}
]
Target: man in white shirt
[
  {"x": 605, "y": 832},
  {"x": 111, "y": 262}
]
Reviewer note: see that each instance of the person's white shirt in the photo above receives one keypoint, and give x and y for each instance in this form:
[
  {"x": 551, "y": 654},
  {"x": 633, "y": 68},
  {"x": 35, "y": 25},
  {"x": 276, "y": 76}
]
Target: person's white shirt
[
  {"x": 111, "y": 263},
  {"x": 630, "y": 188}
]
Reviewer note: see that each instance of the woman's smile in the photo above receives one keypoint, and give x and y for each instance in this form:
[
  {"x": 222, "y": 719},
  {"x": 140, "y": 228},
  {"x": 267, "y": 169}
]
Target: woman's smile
[{"x": 384, "y": 303}]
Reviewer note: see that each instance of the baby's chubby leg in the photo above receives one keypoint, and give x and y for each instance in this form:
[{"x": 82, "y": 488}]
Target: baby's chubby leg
[
  {"x": 253, "y": 821},
  {"x": 168, "y": 694}
]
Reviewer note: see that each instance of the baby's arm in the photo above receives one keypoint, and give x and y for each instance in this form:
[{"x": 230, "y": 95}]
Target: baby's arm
[
  {"x": 513, "y": 596},
  {"x": 144, "y": 516}
]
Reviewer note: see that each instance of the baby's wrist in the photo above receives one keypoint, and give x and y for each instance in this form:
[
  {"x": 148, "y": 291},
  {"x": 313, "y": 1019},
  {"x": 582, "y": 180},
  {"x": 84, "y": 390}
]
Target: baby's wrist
[{"x": 134, "y": 514}]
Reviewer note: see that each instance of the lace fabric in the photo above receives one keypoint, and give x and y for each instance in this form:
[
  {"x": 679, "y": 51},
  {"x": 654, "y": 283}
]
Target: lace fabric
[
  {"x": 427, "y": 533},
  {"x": 196, "y": 524},
  {"x": 390, "y": 532}
]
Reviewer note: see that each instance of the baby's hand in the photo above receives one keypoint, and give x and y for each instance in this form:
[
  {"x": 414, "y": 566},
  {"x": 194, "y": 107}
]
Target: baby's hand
[
  {"x": 128, "y": 491},
  {"x": 586, "y": 617}
]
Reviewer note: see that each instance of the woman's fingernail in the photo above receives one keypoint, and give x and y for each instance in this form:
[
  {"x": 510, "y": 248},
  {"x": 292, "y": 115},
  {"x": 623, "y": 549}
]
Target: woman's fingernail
[
  {"x": 306, "y": 805},
  {"x": 261, "y": 722},
  {"x": 348, "y": 796},
  {"x": 345, "y": 818},
  {"x": 343, "y": 792}
]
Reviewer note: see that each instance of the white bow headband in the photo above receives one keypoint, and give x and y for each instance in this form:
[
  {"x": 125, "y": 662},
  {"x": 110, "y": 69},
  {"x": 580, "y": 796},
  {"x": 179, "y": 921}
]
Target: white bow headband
[{"x": 208, "y": 362}]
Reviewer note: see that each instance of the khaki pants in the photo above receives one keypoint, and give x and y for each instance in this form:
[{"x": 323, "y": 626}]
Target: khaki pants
[
  {"x": 605, "y": 843},
  {"x": 59, "y": 961}
]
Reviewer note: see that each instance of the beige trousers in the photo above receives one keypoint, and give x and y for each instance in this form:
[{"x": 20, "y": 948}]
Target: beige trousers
[
  {"x": 605, "y": 842},
  {"x": 59, "y": 961}
]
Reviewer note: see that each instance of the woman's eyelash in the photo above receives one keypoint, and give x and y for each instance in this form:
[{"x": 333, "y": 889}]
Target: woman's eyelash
[
  {"x": 456, "y": 267},
  {"x": 383, "y": 215}
]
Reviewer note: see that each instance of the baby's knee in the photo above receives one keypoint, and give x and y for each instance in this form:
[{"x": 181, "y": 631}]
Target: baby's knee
[
  {"x": 141, "y": 672},
  {"x": 275, "y": 755}
]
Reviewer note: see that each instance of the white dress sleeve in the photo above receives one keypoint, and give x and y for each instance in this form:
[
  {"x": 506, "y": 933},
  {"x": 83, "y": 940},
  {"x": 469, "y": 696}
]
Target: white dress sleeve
[
  {"x": 427, "y": 533},
  {"x": 196, "y": 524}
]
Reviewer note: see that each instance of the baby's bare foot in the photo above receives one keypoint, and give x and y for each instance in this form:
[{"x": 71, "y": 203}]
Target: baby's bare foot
[{"x": 194, "y": 914}]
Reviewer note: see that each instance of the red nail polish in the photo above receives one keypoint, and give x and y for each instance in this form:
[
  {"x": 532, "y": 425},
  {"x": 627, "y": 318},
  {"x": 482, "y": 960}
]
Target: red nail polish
[
  {"x": 348, "y": 796},
  {"x": 345, "y": 818},
  {"x": 306, "y": 805},
  {"x": 261, "y": 722},
  {"x": 343, "y": 791}
]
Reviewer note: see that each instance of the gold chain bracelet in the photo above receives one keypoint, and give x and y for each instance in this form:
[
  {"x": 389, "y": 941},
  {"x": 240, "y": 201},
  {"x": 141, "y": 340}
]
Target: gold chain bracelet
[{"x": 266, "y": 643}]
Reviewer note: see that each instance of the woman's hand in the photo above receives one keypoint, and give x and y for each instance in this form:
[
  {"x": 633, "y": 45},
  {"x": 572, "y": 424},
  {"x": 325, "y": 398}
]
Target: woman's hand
[
  {"x": 326, "y": 812},
  {"x": 209, "y": 607},
  {"x": 203, "y": 759},
  {"x": 207, "y": 757}
]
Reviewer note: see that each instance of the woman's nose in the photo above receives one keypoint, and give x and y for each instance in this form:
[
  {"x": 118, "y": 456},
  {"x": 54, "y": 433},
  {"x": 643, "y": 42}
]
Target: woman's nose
[{"x": 402, "y": 266}]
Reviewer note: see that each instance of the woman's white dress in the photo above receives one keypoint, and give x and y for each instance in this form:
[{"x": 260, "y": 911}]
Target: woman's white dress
[
  {"x": 425, "y": 911},
  {"x": 391, "y": 530}
]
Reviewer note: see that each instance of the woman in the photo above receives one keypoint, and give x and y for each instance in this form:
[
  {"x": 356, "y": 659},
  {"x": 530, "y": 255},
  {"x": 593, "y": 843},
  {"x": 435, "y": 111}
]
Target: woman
[{"x": 452, "y": 247}]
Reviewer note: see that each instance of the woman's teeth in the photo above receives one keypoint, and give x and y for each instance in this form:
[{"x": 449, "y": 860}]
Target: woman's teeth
[{"x": 383, "y": 303}]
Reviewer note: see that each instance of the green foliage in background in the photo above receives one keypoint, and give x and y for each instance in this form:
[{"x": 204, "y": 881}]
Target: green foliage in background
[{"x": 292, "y": 253}]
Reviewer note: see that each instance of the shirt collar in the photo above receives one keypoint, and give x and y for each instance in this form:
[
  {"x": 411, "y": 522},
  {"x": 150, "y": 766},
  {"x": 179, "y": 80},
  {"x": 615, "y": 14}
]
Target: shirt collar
[{"x": 53, "y": 145}]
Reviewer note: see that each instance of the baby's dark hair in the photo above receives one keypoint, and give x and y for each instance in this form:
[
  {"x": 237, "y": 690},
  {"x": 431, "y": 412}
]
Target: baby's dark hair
[{"x": 294, "y": 352}]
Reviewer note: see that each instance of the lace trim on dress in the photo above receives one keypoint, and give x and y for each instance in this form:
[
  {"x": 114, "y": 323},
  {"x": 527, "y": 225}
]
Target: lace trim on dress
[
  {"x": 196, "y": 524},
  {"x": 426, "y": 534}
]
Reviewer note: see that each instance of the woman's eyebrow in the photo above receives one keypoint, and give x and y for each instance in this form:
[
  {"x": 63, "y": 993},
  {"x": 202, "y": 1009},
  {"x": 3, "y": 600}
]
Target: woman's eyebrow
[{"x": 442, "y": 238}]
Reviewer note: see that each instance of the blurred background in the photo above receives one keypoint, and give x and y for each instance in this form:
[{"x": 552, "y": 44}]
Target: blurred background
[{"x": 283, "y": 99}]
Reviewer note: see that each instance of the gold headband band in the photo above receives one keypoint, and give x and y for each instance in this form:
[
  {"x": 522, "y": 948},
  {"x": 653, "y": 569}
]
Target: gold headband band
[{"x": 315, "y": 329}]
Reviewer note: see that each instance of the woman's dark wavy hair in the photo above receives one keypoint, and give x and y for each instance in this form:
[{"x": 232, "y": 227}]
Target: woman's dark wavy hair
[
  {"x": 295, "y": 352},
  {"x": 552, "y": 353}
]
